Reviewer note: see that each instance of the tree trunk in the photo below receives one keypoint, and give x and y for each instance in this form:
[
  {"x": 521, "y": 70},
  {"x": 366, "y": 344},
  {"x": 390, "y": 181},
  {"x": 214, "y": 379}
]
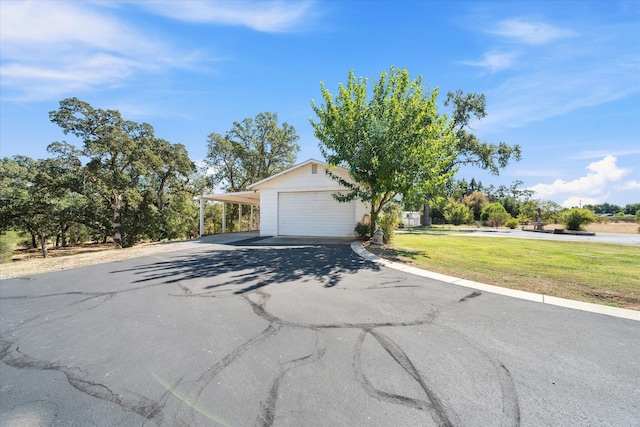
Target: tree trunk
[
  {"x": 34, "y": 244},
  {"x": 58, "y": 240},
  {"x": 426, "y": 218},
  {"x": 63, "y": 232},
  {"x": 117, "y": 204},
  {"x": 373, "y": 219},
  {"x": 43, "y": 244}
]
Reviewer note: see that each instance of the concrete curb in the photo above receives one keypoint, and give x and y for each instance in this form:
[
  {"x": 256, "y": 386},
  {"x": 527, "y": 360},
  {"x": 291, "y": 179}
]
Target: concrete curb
[{"x": 545, "y": 299}]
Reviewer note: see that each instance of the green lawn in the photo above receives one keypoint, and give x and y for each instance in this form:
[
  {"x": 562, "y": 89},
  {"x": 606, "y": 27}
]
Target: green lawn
[{"x": 593, "y": 272}]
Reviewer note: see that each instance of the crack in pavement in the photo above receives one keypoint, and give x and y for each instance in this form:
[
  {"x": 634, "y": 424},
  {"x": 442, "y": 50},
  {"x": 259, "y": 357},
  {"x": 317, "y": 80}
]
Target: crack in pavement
[
  {"x": 78, "y": 379},
  {"x": 432, "y": 405},
  {"x": 267, "y": 413},
  {"x": 253, "y": 292}
]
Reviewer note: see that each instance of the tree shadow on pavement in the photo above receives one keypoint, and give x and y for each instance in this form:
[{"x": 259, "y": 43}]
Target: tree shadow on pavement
[{"x": 251, "y": 267}]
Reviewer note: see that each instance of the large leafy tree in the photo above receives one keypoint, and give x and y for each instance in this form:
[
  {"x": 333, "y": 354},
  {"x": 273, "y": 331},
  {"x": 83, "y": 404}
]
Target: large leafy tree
[
  {"x": 472, "y": 151},
  {"x": 38, "y": 196},
  {"x": 130, "y": 171},
  {"x": 394, "y": 142},
  {"x": 252, "y": 150}
]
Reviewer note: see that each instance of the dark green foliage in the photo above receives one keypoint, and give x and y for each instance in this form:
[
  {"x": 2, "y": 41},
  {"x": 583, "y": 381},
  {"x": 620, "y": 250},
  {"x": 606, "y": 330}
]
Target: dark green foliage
[
  {"x": 362, "y": 231},
  {"x": 252, "y": 150},
  {"x": 576, "y": 218},
  {"x": 131, "y": 176}
]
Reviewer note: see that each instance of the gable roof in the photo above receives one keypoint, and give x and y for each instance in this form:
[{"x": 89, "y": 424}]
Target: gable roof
[{"x": 291, "y": 169}]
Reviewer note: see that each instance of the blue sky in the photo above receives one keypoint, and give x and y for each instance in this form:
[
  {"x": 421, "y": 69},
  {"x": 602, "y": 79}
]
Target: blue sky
[{"x": 562, "y": 79}]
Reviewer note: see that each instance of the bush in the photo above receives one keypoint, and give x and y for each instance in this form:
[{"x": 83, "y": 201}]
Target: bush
[
  {"x": 495, "y": 214},
  {"x": 389, "y": 221},
  {"x": 457, "y": 213},
  {"x": 576, "y": 218},
  {"x": 638, "y": 220},
  {"x": 8, "y": 243},
  {"x": 362, "y": 231},
  {"x": 511, "y": 223}
]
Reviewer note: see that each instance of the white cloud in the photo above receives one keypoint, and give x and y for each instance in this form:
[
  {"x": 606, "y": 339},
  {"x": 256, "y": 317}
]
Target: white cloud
[
  {"x": 493, "y": 61},
  {"x": 593, "y": 188},
  {"x": 55, "y": 48},
  {"x": 583, "y": 68},
  {"x": 629, "y": 185},
  {"x": 556, "y": 89},
  {"x": 530, "y": 32},
  {"x": 271, "y": 16}
]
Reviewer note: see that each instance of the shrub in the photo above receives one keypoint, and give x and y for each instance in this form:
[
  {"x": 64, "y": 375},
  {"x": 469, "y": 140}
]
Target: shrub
[
  {"x": 495, "y": 214},
  {"x": 362, "y": 231},
  {"x": 638, "y": 220},
  {"x": 576, "y": 218},
  {"x": 8, "y": 243},
  {"x": 511, "y": 223},
  {"x": 457, "y": 213},
  {"x": 389, "y": 221}
]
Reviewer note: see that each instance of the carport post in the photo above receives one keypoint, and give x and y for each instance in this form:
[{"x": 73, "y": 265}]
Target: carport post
[
  {"x": 201, "y": 216},
  {"x": 224, "y": 219},
  {"x": 239, "y": 217},
  {"x": 251, "y": 218}
]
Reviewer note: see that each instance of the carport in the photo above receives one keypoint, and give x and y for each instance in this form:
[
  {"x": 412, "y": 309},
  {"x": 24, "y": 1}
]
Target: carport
[{"x": 248, "y": 198}]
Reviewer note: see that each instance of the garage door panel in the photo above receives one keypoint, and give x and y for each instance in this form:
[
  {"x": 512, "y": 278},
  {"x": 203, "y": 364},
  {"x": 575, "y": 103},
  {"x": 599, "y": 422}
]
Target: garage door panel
[{"x": 314, "y": 214}]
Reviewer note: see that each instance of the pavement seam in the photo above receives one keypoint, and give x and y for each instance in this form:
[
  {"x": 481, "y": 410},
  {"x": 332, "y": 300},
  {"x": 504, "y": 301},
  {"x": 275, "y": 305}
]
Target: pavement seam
[{"x": 541, "y": 298}]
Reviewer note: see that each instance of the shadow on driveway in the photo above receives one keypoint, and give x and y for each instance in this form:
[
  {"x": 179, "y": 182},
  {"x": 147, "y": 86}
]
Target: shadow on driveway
[{"x": 252, "y": 267}]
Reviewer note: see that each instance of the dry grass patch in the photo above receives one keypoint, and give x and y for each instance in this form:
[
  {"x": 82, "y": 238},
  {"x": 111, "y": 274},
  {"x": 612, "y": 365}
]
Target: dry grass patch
[{"x": 28, "y": 262}]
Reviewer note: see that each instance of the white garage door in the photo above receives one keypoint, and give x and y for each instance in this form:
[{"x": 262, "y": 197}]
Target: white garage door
[{"x": 314, "y": 214}]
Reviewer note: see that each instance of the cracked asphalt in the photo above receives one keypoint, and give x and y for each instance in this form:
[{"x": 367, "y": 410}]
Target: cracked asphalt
[{"x": 251, "y": 333}]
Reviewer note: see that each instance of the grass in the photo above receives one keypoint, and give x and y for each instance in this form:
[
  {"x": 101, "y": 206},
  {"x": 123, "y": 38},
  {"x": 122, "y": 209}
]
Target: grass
[{"x": 600, "y": 273}]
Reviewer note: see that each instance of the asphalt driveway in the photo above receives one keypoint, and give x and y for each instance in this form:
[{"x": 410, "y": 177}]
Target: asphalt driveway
[{"x": 287, "y": 333}]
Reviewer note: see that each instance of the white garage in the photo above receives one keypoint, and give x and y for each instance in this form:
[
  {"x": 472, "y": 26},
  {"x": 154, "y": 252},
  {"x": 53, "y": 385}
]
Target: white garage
[
  {"x": 314, "y": 213},
  {"x": 299, "y": 202}
]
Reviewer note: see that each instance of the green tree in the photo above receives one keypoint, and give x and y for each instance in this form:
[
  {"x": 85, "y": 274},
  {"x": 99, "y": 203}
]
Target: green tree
[
  {"x": 632, "y": 208},
  {"x": 528, "y": 211},
  {"x": 457, "y": 213},
  {"x": 476, "y": 202},
  {"x": 252, "y": 150},
  {"x": 117, "y": 151},
  {"x": 495, "y": 214},
  {"x": 130, "y": 172},
  {"x": 32, "y": 198},
  {"x": 551, "y": 211},
  {"x": 471, "y": 151},
  {"x": 394, "y": 143}
]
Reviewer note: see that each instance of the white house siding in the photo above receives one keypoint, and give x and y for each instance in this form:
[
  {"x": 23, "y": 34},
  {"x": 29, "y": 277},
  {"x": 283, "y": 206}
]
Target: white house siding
[
  {"x": 302, "y": 180},
  {"x": 314, "y": 213},
  {"x": 268, "y": 212}
]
